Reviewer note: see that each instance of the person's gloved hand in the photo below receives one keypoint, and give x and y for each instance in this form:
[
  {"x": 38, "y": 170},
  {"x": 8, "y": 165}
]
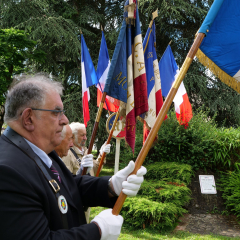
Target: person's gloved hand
[
  {"x": 87, "y": 161},
  {"x": 109, "y": 224},
  {"x": 129, "y": 185},
  {"x": 105, "y": 148}
]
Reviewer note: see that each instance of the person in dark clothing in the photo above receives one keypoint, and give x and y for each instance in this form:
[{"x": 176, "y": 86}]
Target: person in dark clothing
[{"x": 39, "y": 197}]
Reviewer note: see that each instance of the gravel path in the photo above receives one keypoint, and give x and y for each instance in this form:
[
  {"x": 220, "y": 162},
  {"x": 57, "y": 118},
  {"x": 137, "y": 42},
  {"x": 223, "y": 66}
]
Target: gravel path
[{"x": 210, "y": 223}]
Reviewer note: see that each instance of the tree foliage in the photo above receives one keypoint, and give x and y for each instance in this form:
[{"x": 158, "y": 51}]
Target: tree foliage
[
  {"x": 17, "y": 52},
  {"x": 55, "y": 26},
  {"x": 179, "y": 21}
]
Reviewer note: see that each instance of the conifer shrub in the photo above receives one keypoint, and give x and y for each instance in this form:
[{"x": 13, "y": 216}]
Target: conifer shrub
[
  {"x": 161, "y": 198},
  {"x": 230, "y": 186},
  {"x": 166, "y": 192},
  {"x": 170, "y": 172},
  {"x": 141, "y": 212}
]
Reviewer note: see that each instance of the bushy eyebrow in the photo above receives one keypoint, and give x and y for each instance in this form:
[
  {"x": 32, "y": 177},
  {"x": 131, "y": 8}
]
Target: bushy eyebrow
[{"x": 58, "y": 108}]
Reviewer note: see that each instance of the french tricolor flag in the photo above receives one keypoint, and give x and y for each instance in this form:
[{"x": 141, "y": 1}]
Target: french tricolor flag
[
  {"x": 89, "y": 78},
  {"x": 137, "y": 100},
  {"x": 110, "y": 104},
  {"x": 155, "y": 100},
  {"x": 168, "y": 73}
]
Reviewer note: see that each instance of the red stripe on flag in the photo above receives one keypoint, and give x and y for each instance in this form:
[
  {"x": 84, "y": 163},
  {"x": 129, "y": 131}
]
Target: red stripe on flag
[
  {"x": 131, "y": 129},
  {"x": 185, "y": 111},
  {"x": 86, "y": 115},
  {"x": 159, "y": 102},
  {"x": 140, "y": 95},
  {"x": 110, "y": 106}
]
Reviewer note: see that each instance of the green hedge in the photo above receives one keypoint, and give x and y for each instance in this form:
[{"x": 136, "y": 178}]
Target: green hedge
[
  {"x": 201, "y": 145},
  {"x": 230, "y": 186}
]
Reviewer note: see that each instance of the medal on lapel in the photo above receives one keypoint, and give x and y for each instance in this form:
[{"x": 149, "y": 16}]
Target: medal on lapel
[{"x": 62, "y": 204}]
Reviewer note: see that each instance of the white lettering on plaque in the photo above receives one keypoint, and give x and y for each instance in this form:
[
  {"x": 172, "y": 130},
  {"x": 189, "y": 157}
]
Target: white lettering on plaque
[{"x": 207, "y": 184}]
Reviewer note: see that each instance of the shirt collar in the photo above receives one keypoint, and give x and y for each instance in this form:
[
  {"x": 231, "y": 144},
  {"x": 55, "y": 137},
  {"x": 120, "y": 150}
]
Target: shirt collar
[
  {"x": 78, "y": 151},
  {"x": 43, "y": 156}
]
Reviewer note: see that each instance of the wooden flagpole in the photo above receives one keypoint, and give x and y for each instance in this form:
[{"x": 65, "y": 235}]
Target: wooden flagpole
[
  {"x": 108, "y": 141},
  {"x": 94, "y": 132},
  {"x": 161, "y": 115}
]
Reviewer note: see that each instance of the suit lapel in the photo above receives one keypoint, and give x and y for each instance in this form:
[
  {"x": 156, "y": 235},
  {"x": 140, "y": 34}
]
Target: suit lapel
[{"x": 64, "y": 189}]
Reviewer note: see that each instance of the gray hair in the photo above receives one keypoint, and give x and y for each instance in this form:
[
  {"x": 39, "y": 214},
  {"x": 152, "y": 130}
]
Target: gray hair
[
  {"x": 28, "y": 91},
  {"x": 75, "y": 126}
]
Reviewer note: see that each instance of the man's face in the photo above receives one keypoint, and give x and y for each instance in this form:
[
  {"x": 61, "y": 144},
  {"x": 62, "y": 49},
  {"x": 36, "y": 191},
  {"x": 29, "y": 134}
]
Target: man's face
[
  {"x": 67, "y": 142},
  {"x": 81, "y": 137},
  {"x": 49, "y": 125}
]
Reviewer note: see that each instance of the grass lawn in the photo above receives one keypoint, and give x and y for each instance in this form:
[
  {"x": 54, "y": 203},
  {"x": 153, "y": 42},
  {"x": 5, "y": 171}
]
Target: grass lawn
[{"x": 128, "y": 233}]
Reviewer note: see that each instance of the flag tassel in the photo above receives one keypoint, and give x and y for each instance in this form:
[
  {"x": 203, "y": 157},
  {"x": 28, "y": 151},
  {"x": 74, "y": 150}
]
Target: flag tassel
[
  {"x": 223, "y": 76},
  {"x": 160, "y": 118}
]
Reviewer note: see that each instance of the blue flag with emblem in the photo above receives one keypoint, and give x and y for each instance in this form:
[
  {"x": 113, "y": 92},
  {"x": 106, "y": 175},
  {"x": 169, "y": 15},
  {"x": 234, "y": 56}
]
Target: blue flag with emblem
[
  {"x": 126, "y": 80},
  {"x": 220, "y": 49}
]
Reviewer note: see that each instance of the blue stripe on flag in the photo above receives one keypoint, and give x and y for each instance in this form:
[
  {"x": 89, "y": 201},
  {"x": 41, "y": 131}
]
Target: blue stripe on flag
[
  {"x": 103, "y": 58},
  {"x": 91, "y": 76},
  {"x": 168, "y": 69}
]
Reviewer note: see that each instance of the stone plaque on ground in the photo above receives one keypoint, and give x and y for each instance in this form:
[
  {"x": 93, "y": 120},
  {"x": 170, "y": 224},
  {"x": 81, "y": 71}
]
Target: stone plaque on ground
[{"x": 207, "y": 184}]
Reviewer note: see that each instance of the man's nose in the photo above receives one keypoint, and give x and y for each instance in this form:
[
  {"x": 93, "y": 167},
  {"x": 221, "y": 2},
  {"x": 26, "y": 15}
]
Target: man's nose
[{"x": 64, "y": 120}]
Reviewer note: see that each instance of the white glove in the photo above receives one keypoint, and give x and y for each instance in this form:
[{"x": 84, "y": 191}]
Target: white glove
[
  {"x": 109, "y": 224},
  {"x": 87, "y": 162},
  {"x": 105, "y": 148},
  {"x": 130, "y": 185}
]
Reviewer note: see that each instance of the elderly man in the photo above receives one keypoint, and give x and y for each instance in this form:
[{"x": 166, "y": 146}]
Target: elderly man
[
  {"x": 79, "y": 151},
  {"x": 67, "y": 142},
  {"x": 39, "y": 197}
]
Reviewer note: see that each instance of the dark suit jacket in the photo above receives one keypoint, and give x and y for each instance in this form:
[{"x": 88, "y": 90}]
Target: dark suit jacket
[{"x": 28, "y": 206}]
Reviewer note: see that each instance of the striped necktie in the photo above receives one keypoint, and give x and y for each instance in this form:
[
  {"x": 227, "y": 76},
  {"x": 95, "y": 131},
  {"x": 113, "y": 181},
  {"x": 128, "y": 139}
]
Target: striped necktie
[{"x": 55, "y": 172}]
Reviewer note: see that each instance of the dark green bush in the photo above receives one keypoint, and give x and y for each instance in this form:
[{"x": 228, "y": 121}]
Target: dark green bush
[
  {"x": 194, "y": 145},
  {"x": 227, "y": 148},
  {"x": 141, "y": 212},
  {"x": 201, "y": 145},
  {"x": 230, "y": 185}
]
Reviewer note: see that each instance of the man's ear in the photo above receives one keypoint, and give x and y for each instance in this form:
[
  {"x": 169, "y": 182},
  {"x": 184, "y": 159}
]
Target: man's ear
[{"x": 27, "y": 119}]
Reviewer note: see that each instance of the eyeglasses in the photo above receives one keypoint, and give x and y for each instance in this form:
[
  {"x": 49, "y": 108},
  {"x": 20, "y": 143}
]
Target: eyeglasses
[{"x": 57, "y": 113}]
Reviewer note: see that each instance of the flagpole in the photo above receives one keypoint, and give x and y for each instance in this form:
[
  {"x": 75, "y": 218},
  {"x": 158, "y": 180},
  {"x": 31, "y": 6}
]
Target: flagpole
[
  {"x": 161, "y": 115},
  {"x": 94, "y": 132},
  {"x": 108, "y": 141}
]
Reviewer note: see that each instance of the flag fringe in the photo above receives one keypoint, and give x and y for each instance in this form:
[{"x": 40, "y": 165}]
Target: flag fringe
[{"x": 223, "y": 76}]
